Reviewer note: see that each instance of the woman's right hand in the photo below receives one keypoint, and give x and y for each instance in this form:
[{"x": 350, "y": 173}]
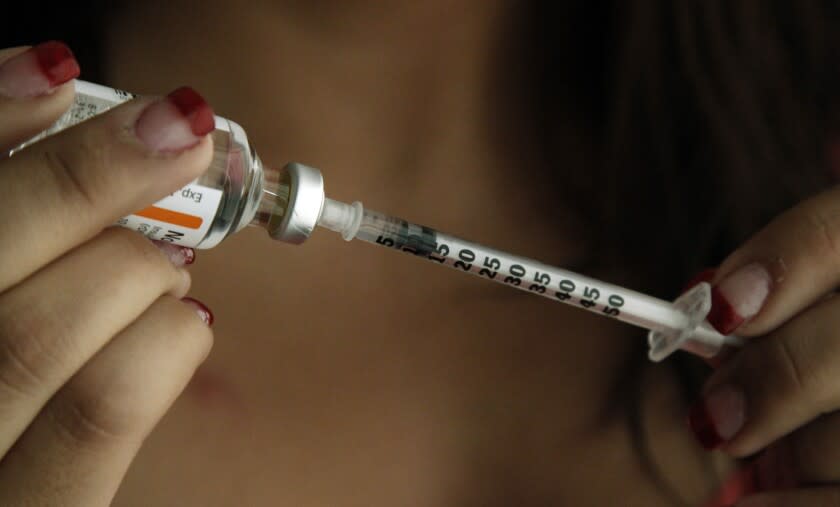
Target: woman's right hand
[{"x": 95, "y": 339}]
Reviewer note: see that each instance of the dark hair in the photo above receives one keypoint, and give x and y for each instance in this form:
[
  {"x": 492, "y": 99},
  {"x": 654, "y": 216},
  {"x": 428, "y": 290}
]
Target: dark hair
[
  {"x": 707, "y": 118},
  {"x": 710, "y": 117}
]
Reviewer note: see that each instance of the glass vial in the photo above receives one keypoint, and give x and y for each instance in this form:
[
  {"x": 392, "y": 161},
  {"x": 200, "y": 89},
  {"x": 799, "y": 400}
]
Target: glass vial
[{"x": 236, "y": 189}]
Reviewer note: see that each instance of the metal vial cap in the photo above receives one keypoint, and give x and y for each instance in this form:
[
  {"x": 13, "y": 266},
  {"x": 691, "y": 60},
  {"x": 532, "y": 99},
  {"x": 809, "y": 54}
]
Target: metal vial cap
[{"x": 306, "y": 198}]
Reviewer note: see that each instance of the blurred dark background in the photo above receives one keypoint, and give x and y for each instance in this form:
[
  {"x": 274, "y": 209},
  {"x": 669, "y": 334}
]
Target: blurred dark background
[{"x": 76, "y": 23}]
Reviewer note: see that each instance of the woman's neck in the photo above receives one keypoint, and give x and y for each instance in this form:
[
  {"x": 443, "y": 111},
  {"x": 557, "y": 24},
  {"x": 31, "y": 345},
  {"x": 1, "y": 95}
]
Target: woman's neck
[
  {"x": 419, "y": 122},
  {"x": 345, "y": 86},
  {"x": 407, "y": 117}
]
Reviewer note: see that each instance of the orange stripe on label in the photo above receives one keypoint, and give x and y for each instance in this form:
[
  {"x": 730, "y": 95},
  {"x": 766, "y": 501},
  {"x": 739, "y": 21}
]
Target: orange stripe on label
[{"x": 171, "y": 217}]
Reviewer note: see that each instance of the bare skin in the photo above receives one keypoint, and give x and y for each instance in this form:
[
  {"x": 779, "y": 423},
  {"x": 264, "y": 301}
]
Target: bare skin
[
  {"x": 341, "y": 375},
  {"x": 344, "y": 375}
]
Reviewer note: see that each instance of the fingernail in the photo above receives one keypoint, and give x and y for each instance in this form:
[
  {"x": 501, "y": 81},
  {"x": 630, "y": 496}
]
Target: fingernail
[
  {"x": 38, "y": 70},
  {"x": 203, "y": 312},
  {"x": 718, "y": 417},
  {"x": 738, "y": 485},
  {"x": 704, "y": 276},
  {"x": 739, "y": 297},
  {"x": 176, "y": 122},
  {"x": 178, "y": 255}
]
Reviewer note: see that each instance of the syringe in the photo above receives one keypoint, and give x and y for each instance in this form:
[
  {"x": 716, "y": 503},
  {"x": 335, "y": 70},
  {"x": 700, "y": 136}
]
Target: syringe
[
  {"x": 672, "y": 326},
  {"x": 237, "y": 190}
]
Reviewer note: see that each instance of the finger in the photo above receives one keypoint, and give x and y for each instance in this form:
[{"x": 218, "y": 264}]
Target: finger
[
  {"x": 78, "y": 449},
  {"x": 776, "y": 384},
  {"x": 55, "y": 321},
  {"x": 61, "y": 191},
  {"x": 34, "y": 90},
  {"x": 781, "y": 270},
  {"x": 813, "y": 497},
  {"x": 808, "y": 456}
]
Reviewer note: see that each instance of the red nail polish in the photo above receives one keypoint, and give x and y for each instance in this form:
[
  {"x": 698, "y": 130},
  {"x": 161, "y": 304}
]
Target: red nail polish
[
  {"x": 37, "y": 71},
  {"x": 704, "y": 276},
  {"x": 57, "y": 62},
  {"x": 739, "y": 296},
  {"x": 722, "y": 315},
  {"x": 718, "y": 417},
  {"x": 189, "y": 255},
  {"x": 703, "y": 427},
  {"x": 178, "y": 255},
  {"x": 201, "y": 309},
  {"x": 175, "y": 123},
  {"x": 195, "y": 109},
  {"x": 741, "y": 483}
]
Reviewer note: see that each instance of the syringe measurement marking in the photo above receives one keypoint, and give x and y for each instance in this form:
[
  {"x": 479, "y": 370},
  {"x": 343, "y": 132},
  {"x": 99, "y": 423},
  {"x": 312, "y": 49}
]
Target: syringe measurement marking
[{"x": 491, "y": 268}]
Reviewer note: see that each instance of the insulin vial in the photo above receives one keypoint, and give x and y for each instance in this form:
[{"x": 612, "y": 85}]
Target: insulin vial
[{"x": 235, "y": 190}]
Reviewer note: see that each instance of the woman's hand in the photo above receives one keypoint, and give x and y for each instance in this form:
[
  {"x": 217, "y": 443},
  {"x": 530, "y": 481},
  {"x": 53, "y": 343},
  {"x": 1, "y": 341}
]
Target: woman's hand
[
  {"x": 95, "y": 340},
  {"x": 780, "y": 395}
]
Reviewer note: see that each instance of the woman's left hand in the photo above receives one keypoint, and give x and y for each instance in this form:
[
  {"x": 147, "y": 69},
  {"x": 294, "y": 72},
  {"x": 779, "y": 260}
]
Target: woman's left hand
[{"x": 779, "y": 396}]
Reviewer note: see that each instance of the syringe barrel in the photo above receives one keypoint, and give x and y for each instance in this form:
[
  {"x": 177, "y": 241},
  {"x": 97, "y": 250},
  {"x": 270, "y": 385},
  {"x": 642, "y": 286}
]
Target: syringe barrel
[{"x": 518, "y": 272}]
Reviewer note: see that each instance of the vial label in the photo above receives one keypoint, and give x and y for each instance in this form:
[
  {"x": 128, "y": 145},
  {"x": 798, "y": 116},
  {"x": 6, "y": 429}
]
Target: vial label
[
  {"x": 90, "y": 100},
  {"x": 183, "y": 217},
  {"x": 89, "y": 105}
]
